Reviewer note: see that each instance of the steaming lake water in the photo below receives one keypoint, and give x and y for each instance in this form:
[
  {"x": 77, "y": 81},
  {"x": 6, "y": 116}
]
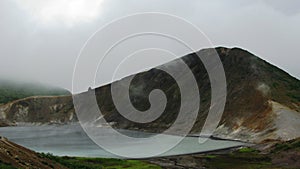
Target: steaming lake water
[{"x": 71, "y": 140}]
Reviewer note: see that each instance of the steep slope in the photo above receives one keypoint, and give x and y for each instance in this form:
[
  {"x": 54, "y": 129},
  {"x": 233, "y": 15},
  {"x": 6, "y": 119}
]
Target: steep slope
[
  {"x": 17, "y": 156},
  {"x": 263, "y": 102},
  {"x": 38, "y": 110},
  {"x": 259, "y": 95}
]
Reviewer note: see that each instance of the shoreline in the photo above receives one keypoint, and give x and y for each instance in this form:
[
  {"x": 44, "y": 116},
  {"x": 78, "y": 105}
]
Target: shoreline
[
  {"x": 226, "y": 149},
  {"x": 221, "y": 151}
]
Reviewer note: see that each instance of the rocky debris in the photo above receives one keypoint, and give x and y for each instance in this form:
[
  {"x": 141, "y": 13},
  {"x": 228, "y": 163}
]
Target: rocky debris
[{"x": 178, "y": 162}]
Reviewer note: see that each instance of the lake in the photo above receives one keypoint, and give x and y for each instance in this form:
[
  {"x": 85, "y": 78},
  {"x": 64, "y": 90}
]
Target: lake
[{"x": 71, "y": 140}]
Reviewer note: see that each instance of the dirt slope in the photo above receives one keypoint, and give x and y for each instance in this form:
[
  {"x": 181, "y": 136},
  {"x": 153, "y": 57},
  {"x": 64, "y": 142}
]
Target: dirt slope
[{"x": 20, "y": 157}]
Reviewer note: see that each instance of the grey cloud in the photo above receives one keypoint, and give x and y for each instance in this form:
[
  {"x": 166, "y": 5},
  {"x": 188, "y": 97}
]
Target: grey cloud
[{"x": 47, "y": 53}]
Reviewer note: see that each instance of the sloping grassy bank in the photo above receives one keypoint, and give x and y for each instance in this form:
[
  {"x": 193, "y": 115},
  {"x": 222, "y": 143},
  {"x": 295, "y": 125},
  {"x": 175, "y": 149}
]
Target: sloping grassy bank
[{"x": 98, "y": 163}]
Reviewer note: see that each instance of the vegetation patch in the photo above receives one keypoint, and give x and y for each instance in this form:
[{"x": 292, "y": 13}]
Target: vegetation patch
[
  {"x": 247, "y": 150},
  {"x": 6, "y": 166},
  {"x": 10, "y": 91},
  {"x": 98, "y": 163},
  {"x": 295, "y": 145}
]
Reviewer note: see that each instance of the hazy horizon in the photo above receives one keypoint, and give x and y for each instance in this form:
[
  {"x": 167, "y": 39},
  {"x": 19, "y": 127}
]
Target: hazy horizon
[
  {"x": 34, "y": 81},
  {"x": 42, "y": 39}
]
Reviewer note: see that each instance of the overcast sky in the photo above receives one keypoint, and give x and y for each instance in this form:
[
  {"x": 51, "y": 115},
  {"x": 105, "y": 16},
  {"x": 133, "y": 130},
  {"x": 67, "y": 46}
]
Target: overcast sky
[{"x": 40, "y": 40}]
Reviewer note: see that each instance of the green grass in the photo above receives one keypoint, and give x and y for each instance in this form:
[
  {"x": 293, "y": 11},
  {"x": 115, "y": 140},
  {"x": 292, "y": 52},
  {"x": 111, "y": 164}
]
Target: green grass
[
  {"x": 6, "y": 166},
  {"x": 286, "y": 146},
  {"x": 98, "y": 163},
  {"x": 250, "y": 158},
  {"x": 246, "y": 158},
  {"x": 210, "y": 156},
  {"x": 247, "y": 150}
]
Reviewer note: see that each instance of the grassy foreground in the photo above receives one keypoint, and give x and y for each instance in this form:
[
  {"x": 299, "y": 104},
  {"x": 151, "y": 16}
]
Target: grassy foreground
[
  {"x": 98, "y": 163},
  {"x": 283, "y": 155},
  {"x": 92, "y": 163},
  {"x": 246, "y": 158}
]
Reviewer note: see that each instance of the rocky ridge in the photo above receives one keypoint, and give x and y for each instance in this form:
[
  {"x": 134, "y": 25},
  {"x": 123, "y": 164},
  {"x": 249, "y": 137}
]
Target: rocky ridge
[{"x": 263, "y": 101}]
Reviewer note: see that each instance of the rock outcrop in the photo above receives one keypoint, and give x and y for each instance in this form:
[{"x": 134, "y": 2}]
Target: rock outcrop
[{"x": 39, "y": 110}]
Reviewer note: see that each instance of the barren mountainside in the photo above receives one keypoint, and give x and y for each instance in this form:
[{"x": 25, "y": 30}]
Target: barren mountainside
[{"x": 263, "y": 102}]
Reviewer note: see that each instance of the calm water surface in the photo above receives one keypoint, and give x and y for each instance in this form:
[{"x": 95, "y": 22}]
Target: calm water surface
[{"x": 71, "y": 140}]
